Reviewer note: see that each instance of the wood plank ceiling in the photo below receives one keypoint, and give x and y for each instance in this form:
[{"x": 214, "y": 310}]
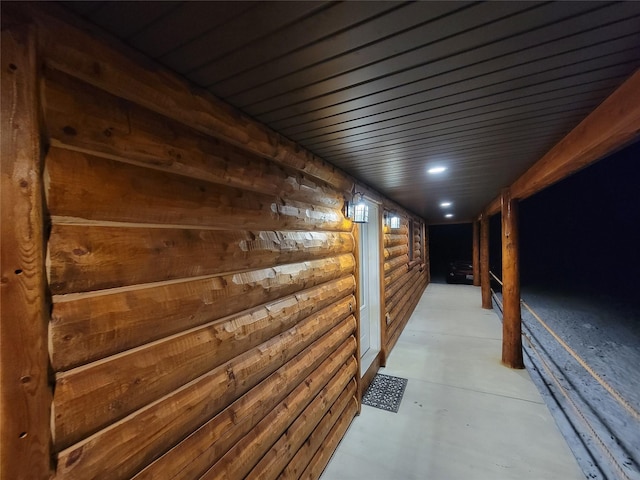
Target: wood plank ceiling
[{"x": 386, "y": 90}]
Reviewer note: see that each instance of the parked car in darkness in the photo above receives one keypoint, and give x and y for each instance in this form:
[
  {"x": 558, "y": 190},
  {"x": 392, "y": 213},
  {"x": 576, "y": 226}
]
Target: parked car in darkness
[{"x": 460, "y": 272}]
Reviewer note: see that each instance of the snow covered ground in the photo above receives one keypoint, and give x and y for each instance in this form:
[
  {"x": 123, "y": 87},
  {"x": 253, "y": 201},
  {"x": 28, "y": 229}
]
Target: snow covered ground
[{"x": 592, "y": 383}]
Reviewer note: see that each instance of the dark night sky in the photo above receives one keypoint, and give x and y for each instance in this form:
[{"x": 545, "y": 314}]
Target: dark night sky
[
  {"x": 448, "y": 243},
  {"x": 581, "y": 234}
]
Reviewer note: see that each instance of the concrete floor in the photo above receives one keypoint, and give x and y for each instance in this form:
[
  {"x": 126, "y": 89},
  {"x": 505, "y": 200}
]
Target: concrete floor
[{"x": 463, "y": 415}]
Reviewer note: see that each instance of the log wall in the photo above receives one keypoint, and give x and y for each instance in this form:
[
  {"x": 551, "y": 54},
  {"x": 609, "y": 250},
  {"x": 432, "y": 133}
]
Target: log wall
[
  {"x": 201, "y": 297},
  {"x": 406, "y": 275},
  {"x": 198, "y": 278}
]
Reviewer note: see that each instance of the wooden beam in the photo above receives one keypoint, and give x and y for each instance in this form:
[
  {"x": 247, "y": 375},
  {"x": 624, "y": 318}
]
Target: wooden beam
[
  {"x": 511, "y": 322},
  {"x": 485, "y": 278},
  {"x": 476, "y": 254},
  {"x": 25, "y": 395},
  {"x": 611, "y": 126}
]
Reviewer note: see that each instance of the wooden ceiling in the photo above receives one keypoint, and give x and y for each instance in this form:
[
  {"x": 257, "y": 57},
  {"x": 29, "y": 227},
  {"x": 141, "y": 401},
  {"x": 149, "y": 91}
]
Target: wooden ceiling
[{"x": 386, "y": 90}]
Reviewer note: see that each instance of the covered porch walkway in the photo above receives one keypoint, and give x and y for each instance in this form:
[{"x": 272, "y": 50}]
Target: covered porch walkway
[{"x": 463, "y": 415}]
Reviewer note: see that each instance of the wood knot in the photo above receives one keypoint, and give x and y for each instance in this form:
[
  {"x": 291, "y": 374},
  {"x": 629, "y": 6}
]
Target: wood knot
[
  {"x": 73, "y": 457},
  {"x": 69, "y": 130}
]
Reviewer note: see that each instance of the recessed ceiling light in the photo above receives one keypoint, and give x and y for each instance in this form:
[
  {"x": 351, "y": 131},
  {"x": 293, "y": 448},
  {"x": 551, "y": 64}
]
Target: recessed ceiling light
[
  {"x": 445, "y": 204},
  {"x": 433, "y": 170},
  {"x": 449, "y": 215}
]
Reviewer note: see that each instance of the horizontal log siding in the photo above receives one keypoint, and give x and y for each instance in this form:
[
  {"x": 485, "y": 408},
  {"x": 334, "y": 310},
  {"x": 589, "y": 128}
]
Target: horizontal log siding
[
  {"x": 339, "y": 412},
  {"x": 82, "y": 329},
  {"x": 200, "y": 273},
  {"x": 292, "y": 439},
  {"x": 202, "y": 298},
  {"x": 406, "y": 276}
]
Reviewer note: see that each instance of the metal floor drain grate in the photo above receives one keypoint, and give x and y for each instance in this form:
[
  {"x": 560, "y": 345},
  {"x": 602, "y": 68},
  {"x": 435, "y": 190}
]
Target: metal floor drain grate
[{"x": 385, "y": 392}]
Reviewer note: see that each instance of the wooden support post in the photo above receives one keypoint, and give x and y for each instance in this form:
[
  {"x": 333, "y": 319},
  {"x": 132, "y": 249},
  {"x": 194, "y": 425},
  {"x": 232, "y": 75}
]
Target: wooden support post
[
  {"x": 511, "y": 322},
  {"x": 485, "y": 279},
  {"x": 476, "y": 254},
  {"x": 25, "y": 395}
]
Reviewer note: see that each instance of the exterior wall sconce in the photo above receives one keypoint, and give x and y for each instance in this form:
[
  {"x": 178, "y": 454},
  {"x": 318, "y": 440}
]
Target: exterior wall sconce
[
  {"x": 392, "y": 220},
  {"x": 357, "y": 210}
]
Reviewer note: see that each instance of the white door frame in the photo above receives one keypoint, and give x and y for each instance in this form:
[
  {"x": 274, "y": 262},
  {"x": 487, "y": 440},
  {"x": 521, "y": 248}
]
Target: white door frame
[{"x": 370, "y": 286}]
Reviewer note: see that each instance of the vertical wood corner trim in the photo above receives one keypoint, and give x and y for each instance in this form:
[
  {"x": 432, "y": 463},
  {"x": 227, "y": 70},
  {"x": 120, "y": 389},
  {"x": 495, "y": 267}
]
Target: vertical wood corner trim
[
  {"x": 382, "y": 357},
  {"x": 25, "y": 398}
]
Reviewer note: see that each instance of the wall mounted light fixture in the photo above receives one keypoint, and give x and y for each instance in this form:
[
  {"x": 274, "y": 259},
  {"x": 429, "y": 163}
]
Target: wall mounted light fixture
[
  {"x": 357, "y": 209},
  {"x": 392, "y": 220}
]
